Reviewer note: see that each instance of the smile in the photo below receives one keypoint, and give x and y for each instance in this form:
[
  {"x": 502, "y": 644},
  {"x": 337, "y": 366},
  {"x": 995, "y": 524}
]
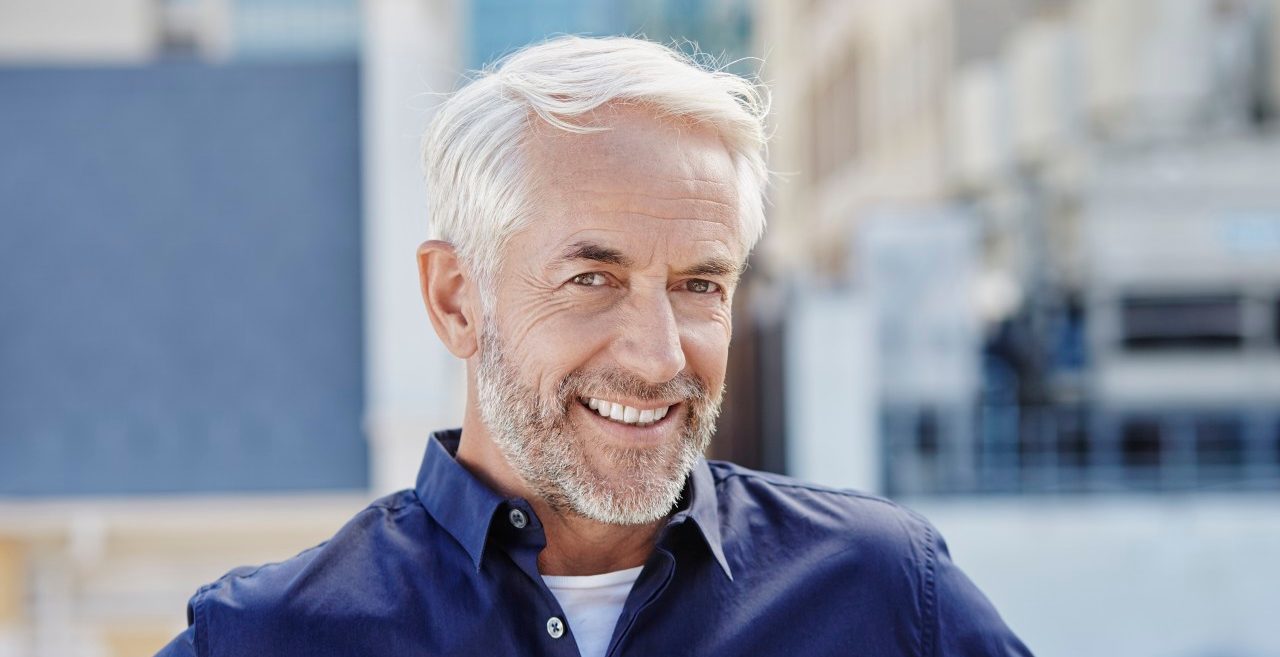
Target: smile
[{"x": 624, "y": 414}]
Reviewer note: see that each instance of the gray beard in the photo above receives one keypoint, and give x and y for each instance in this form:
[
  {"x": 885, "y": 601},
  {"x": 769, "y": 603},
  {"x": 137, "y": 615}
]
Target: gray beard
[{"x": 543, "y": 445}]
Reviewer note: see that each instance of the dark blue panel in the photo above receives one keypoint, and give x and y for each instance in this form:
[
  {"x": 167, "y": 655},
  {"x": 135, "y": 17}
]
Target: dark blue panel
[{"x": 180, "y": 279}]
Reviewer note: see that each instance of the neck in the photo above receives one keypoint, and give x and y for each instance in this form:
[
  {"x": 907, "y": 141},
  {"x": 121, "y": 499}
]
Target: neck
[
  {"x": 579, "y": 546},
  {"x": 575, "y": 545}
]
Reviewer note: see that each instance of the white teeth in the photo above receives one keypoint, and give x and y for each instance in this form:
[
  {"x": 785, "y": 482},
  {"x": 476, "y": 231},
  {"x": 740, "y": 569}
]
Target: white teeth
[{"x": 626, "y": 414}]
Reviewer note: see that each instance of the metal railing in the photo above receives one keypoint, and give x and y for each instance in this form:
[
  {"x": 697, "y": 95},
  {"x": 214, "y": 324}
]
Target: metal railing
[{"x": 1012, "y": 449}]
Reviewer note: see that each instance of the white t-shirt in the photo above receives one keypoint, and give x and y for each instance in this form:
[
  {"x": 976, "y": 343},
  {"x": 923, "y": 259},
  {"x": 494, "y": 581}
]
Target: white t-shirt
[{"x": 593, "y": 604}]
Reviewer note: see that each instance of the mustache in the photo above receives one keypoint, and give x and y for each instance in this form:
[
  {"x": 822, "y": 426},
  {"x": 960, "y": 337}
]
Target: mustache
[{"x": 601, "y": 382}]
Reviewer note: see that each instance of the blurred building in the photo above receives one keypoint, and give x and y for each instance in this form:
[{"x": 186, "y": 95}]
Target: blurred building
[
  {"x": 192, "y": 374},
  {"x": 1050, "y": 229}
]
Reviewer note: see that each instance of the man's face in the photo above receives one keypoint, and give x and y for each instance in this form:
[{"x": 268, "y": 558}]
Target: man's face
[{"x": 614, "y": 302}]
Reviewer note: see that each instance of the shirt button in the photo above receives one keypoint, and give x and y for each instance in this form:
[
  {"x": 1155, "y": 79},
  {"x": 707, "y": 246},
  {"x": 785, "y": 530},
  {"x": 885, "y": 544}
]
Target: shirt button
[
  {"x": 518, "y": 518},
  {"x": 555, "y": 627}
]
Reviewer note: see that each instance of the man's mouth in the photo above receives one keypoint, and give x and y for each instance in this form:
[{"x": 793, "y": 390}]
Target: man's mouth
[{"x": 623, "y": 414}]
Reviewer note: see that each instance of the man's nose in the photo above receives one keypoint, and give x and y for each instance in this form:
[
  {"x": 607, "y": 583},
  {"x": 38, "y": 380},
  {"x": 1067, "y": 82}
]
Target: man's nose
[{"x": 649, "y": 341}]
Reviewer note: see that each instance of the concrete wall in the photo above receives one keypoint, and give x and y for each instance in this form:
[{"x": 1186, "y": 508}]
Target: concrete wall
[
  {"x": 1160, "y": 576},
  {"x": 111, "y": 577}
]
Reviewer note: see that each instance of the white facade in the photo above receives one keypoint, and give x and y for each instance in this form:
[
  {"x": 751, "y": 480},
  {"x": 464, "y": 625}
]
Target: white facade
[
  {"x": 413, "y": 385},
  {"x": 88, "y": 32},
  {"x": 78, "y": 30},
  {"x": 1203, "y": 219}
]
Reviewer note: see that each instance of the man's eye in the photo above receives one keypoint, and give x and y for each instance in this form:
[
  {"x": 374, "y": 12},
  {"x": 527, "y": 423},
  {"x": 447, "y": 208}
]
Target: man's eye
[
  {"x": 592, "y": 279},
  {"x": 700, "y": 286}
]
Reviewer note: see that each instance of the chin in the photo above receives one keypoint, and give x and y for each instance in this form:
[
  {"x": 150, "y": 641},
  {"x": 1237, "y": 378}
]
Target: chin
[{"x": 629, "y": 486}]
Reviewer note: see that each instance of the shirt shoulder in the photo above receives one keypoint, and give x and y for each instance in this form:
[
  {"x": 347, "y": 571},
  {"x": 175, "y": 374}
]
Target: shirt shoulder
[
  {"x": 897, "y": 557},
  {"x": 349, "y": 578},
  {"x": 792, "y": 504}
]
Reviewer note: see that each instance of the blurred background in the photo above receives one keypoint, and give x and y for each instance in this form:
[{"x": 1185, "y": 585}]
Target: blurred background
[{"x": 1022, "y": 274}]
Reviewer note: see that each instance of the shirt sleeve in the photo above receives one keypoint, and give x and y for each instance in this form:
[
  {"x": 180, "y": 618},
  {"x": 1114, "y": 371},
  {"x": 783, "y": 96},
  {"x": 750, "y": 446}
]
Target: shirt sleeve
[
  {"x": 182, "y": 645},
  {"x": 966, "y": 624}
]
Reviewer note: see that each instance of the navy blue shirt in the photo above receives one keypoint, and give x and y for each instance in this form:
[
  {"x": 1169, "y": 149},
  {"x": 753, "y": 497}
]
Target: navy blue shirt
[{"x": 748, "y": 564}]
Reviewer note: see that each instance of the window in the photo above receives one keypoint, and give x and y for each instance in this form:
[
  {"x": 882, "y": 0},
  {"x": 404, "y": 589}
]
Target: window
[
  {"x": 1188, "y": 322},
  {"x": 1220, "y": 442},
  {"x": 1141, "y": 442},
  {"x": 1275, "y": 321}
]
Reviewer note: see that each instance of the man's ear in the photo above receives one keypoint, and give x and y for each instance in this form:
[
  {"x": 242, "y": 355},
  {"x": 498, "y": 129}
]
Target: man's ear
[{"x": 445, "y": 292}]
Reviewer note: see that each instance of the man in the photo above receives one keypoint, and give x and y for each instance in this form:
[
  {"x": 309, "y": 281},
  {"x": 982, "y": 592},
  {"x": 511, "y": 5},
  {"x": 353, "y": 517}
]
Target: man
[{"x": 595, "y": 201}]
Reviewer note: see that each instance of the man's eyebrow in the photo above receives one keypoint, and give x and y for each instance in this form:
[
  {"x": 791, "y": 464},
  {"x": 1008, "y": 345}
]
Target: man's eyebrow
[
  {"x": 714, "y": 267},
  {"x": 595, "y": 253}
]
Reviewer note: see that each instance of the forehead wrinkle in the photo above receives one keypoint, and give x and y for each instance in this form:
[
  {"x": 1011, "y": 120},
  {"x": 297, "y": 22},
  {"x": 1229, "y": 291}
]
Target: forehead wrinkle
[
  {"x": 690, "y": 183},
  {"x": 673, "y": 204},
  {"x": 600, "y": 195},
  {"x": 725, "y": 251},
  {"x": 714, "y": 241},
  {"x": 626, "y": 177},
  {"x": 701, "y": 212},
  {"x": 597, "y": 173}
]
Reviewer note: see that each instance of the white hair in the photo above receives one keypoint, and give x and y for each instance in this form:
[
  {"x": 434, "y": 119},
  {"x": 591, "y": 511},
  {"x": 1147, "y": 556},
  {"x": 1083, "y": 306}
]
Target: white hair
[{"x": 476, "y": 170}]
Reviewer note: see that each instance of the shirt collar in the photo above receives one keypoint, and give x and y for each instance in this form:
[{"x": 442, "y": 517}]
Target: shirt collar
[
  {"x": 465, "y": 507},
  {"x": 704, "y": 510},
  {"x": 460, "y": 502}
]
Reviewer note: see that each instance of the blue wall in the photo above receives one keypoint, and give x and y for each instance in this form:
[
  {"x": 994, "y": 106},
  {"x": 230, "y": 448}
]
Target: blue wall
[
  {"x": 719, "y": 27},
  {"x": 180, "y": 279},
  {"x": 499, "y": 27}
]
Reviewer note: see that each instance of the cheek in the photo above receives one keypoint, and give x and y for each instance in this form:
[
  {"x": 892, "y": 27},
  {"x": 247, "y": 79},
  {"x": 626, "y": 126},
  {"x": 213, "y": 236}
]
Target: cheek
[
  {"x": 706, "y": 347},
  {"x": 555, "y": 344}
]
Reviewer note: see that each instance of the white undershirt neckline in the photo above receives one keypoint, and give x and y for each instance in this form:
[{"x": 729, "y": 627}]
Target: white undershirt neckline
[{"x": 592, "y": 605}]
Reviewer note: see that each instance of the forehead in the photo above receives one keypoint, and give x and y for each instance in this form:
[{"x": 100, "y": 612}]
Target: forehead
[{"x": 643, "y": 178}]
